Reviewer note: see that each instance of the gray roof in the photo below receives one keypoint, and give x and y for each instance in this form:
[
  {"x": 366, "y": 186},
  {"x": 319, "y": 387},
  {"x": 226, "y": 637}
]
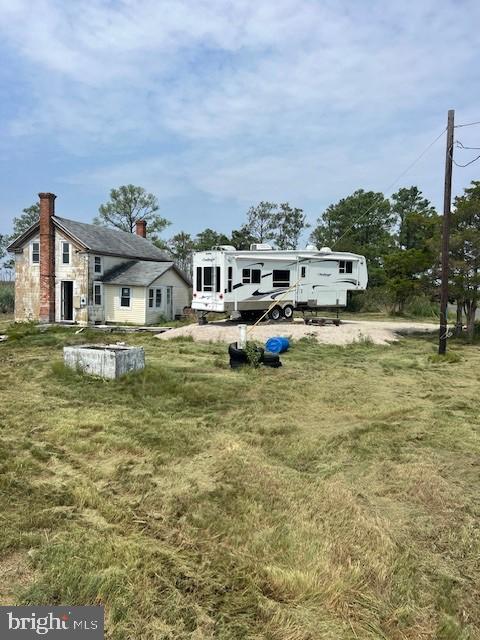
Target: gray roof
[
  {"x": 139, "y": 273},
  {"x": 103, "y": 240},
  {"x": 109, "y": 241}
]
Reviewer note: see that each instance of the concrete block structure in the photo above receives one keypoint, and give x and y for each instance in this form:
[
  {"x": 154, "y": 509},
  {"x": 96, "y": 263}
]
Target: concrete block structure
[{"x": 105, "y": 361}]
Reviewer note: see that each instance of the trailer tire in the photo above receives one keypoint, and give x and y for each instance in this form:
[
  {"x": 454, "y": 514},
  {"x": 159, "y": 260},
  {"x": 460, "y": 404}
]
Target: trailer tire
[
  {"x": 240, "y": 355},
  {"x": 275, "y": 314},
  {"x": 236, "y": 354},
  {"x": 288, "y": 312},
  {"x": 271, "y": 360}
]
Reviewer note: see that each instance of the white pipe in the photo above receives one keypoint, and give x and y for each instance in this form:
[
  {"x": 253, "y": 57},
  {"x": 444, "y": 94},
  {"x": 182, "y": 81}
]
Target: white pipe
[{"x": 242, "y": 336}]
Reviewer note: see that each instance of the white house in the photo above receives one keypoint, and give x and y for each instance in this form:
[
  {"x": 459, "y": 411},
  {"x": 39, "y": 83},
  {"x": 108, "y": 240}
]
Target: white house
[{"x": 69, "y": 271}]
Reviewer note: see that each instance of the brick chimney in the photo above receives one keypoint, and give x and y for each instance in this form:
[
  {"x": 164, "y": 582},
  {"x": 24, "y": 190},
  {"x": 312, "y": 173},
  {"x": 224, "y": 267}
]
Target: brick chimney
[
  {"x": 47, "y": 258},
  {"x": 141, "y": 228}
]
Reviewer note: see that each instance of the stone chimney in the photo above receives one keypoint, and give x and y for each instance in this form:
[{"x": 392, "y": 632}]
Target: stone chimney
[
  {"x": 141, "y": 228},
  {"x": 47, "y": 258}
]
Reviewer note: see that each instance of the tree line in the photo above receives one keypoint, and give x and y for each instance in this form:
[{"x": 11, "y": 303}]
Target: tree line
[{"x": 399, "y": 236}]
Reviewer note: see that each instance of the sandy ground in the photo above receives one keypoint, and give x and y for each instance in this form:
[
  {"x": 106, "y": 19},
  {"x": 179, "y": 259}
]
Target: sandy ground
[{"x": 346, "y": 333}]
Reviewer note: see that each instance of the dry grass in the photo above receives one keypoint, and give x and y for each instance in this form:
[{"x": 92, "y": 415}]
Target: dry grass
[{"x": 336, "y": 497}]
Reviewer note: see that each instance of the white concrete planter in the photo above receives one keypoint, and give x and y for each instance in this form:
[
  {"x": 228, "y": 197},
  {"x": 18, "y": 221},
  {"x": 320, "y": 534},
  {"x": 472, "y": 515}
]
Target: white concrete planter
[{"x": 104, "y": 360}]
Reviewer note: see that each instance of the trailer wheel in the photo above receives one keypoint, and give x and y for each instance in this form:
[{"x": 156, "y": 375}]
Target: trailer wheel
[
  {"x": 240, "y": 355},
  {"x": 288, "y": 312},
  {"x": 271, "y": 360},
  {"x": 275, "y": 313}
]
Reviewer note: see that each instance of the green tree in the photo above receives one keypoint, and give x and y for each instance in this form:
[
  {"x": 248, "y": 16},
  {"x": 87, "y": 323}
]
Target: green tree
[
  {"x": 407, "y": 265},
  {"x": 361, "y": 223},
  {"x": 287, "y": 226},
  {"x": 181, "y": 247},
  {"x": 3, "y": 246},
  {"x": 29, "y": 216},
  {"x": 261, "y": 221},
  {"x": 242, "y": 238},
  {"x": 126, "y": 206},
  {"x": 415, "y": 217},
  {"x": 209, "y": 238},
  {"x": 404, "y": 270},
  {"x": 465, "y": 253}
]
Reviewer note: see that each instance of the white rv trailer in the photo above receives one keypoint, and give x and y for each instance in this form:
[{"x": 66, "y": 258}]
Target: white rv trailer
[{"x": 227, "y": 280}]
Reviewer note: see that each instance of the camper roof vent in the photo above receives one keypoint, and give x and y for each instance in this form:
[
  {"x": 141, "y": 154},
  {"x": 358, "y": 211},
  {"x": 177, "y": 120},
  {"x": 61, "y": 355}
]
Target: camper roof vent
[
  {"x": 311, "y": 247},
  {"x": 325, "y": 250},
  {"x": 224, "y": 247},
  {"x": 260, "y": 246}
]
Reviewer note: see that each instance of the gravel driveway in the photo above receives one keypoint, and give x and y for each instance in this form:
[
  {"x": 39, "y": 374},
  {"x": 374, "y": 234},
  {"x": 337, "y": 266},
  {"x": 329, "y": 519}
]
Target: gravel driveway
[{"x": 346, "y": 333}]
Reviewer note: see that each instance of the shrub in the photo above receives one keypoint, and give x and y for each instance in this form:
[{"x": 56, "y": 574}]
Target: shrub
[
  {"x": 254, "y": 356},
  {"x": 421, "y": 306},
  {"x": 376, "y": 300},
  {"x": 7, "y": 298}
]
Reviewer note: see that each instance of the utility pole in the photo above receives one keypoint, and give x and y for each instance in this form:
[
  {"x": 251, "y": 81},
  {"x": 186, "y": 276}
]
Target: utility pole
[{"x": 447, "y": 200}]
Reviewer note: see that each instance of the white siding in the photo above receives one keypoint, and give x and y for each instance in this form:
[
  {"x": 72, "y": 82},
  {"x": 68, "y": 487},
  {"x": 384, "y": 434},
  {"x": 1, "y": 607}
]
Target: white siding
[
  {"x": 98, "y": 313},
  {"x": 181, "y": 296},
  {"x": 134, "y": 314}
]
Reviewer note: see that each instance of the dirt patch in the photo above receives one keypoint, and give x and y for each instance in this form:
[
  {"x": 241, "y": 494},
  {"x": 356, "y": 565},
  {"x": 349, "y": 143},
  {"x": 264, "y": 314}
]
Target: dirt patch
[
  {"x": 15, "y": 574},
  {"x": 346, "y": 333}
]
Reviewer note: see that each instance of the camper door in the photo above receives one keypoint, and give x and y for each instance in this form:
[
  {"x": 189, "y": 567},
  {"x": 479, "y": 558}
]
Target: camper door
[{"x": 208, "y": 283}]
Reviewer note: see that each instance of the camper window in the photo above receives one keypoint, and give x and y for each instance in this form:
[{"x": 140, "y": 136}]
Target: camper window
[
  {"x": 217, "y": 279},
  {"x": 281, "y": 278},
  {"x": 303, "y": 272},
  {"x": 199, "y": 278},
  {"x": 230, "y": 279},
  {"x": 251, "y": 276},
  {"x": 345, "y": 266},
  {"x": 207, "y": 278}
]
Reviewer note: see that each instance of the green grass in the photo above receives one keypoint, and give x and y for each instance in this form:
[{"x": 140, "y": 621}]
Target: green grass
[{"x": 336, "y": 497}]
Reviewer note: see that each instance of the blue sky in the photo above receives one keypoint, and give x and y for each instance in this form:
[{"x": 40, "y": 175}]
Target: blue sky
[{"x": 214, "y": 105}]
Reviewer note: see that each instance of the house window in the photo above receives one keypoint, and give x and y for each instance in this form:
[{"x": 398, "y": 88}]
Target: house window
[
  {"x": 345, "y": 266},
  {"x": 65, "y": 253},
  {"x": 230, "y": 279},
  {"x": 35, "y": 252},
  {"x": 97, "y": 294},
  {"x": 217, "y": 279},
  {"x": 303, "y": 272},
  {"x": 125, "y": 297},
  {"x": 150, "y": 298},
  {"x": 251, "y": 276},
  {"x": 207, "y": 278},
  {"x": 169, "y": 295},
  {"x": 199, "y": 278},
  {"x": 98, "y": 264},
  {"x": 158, "y": 298},
  {"x": 281, "y": 278}
]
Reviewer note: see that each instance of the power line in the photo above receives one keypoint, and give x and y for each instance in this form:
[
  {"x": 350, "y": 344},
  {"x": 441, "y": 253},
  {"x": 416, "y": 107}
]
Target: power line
[
  {"x": 462, "y": 146},
  {"x": 468, "y": 124},
  {"x": 392, "y": 184},
  {"x": 468, "y": 163}
]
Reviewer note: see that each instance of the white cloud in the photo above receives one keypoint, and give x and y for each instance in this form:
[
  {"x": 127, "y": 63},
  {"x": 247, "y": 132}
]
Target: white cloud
[{"x": 285, "y": 99}]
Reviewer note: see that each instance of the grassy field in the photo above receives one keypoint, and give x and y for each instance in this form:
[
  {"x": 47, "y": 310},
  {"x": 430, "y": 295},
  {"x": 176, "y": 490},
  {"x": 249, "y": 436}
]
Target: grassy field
[{"x": 336, "y": 497}]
